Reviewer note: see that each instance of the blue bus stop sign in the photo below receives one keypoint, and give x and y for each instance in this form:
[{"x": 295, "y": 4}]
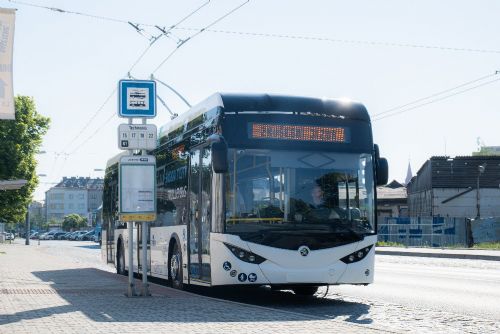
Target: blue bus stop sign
[{"x": 137, "y": 98}]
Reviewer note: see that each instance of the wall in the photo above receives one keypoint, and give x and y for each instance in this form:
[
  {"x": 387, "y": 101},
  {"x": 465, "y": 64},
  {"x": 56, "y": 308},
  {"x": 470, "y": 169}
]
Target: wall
[
  {"x": 465, "y": 205},
  {"x": 420, "y": 203},
  {"x": 486, "y": 230}
]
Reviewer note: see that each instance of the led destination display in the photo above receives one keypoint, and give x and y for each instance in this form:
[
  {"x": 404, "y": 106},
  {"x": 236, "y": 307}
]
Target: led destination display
[{"x": 299, "y": 132}]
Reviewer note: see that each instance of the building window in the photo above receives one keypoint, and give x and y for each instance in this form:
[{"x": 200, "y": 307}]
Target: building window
[
  {"x": 81, "y": 206},
  {"x": 81, "y": 196},
  {"x": 70, "y": 196}
]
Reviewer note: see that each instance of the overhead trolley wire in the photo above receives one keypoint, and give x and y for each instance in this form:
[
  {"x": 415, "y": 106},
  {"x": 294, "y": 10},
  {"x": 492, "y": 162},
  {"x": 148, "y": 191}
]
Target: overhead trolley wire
[
  {"x": 345, "y": 41},
  {"x": 436, "y": 94},
  {"x": 436, "y": 100},
  {"x": 198, "y": 33},
  {"x": 141, "y": 56},
  {"x": 64, "y": 11},
  {"x": 267, "y": 35},
  {"x": 91, "y": 119}
]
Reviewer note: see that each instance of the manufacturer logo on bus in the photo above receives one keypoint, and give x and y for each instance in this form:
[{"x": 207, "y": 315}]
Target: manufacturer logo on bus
[{"x": 304, "y": 250}]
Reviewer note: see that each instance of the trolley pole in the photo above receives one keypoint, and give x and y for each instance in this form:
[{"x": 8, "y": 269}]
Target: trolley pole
[{"x": 131, "y": 290}]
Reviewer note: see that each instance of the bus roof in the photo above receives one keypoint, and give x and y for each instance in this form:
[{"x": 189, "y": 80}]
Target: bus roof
[
  {"x": 115, "y": 159},
  {"x": 231, "y": 102}
]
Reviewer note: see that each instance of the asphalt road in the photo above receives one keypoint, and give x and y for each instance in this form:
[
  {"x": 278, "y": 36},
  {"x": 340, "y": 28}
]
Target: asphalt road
[
  {"x": 468, "y": 287},
  {"x": 410, "y": 294}
]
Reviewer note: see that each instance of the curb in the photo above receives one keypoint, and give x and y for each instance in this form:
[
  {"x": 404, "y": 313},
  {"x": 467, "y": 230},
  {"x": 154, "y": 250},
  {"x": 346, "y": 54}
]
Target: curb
[{"x": 440, "y": 255}]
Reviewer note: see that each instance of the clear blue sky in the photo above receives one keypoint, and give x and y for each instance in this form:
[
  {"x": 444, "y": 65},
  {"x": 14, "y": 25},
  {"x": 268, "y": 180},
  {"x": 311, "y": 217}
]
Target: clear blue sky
[{"x": 70, "y": 64}]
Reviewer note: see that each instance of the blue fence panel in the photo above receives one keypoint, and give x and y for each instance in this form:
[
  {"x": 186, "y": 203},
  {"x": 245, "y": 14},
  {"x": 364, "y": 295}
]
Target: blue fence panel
[{"x": 424, "y": 231}]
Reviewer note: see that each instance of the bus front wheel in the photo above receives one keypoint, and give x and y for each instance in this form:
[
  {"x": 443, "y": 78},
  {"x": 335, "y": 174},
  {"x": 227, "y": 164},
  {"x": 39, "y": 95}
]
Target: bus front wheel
[
  {"x": 175, "y": 267},
  {"x": 305, "y": 290}
]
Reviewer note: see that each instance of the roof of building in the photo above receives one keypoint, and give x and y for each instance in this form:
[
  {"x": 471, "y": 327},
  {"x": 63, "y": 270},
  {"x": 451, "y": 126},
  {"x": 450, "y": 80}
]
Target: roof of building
[
  {"x": 388, "y": 193},
  {"x": 81, "y": 183},
  {"x": 394, "y": 184},
  {"x": 457, "y": 172}
]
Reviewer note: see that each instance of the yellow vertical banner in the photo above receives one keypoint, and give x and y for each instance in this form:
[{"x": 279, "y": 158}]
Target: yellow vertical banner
[{"x": 7, "y": 21}]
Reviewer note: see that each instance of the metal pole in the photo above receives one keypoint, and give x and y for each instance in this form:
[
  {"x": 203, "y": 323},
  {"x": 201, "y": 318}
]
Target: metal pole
[
  {"x": 477, "y": 197},
  {"x": 28, "y": 227},
  {"x": 145, "y": 289},
  {"x": 131, "y": 290}
]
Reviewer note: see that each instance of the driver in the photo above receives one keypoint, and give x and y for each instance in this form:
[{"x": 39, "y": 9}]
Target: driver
[{"x": 318, "y": 207}]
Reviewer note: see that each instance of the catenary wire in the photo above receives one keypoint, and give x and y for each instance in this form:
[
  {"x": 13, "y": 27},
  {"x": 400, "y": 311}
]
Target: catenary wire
[
  {"x": 64, "y": 11},
  {"x": 141, "y": 56},
  {"x": 436, "y": 100},
  {"x": 270, "y": 35},
  {"x": 436, "y": 94},
  {"x": 345, "y": 41},
  {"x": 198, "y": 33}
]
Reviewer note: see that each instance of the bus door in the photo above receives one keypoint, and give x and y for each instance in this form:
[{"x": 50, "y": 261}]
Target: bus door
[{"x": 200, "y": 214}]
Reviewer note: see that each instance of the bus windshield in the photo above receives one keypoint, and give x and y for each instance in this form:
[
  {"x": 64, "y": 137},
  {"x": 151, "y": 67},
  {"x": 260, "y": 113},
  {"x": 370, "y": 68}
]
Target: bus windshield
[{"x": 287, "y": 199}]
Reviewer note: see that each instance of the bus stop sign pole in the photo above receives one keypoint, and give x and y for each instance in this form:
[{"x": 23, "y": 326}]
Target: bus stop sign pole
[
  {"x": 137, "y": 98},
  {"x": 130, "y": 290}
]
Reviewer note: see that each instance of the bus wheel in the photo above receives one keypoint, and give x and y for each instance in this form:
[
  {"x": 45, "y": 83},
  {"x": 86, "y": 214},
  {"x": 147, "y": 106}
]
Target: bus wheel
[
  {"x": 175, "y": 269},
  {"x": 120, "y": 260},
  {"x": 305, "y": 290}
]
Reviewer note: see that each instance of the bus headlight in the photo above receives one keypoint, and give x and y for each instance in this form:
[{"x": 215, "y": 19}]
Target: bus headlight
[
  {"x": 244, "y": 255},
  {"x": 357, "y": 255}
]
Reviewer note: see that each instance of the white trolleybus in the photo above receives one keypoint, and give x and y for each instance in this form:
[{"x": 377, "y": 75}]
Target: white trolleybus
[{"x": 258, "y": 190}]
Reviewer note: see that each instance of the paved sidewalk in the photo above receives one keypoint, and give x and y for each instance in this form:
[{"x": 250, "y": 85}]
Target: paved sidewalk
[
  {"x": 44, "y": 293},
  {"x": 471, "y": 254}
]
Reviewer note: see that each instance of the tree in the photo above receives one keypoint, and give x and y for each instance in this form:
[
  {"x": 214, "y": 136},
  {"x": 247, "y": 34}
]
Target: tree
[
  {"x": 73, "y": 221},
  {"x": 19, "y": 141}
]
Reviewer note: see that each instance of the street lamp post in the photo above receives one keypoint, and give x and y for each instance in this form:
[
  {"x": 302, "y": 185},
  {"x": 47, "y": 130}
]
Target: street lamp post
[
  {"x": 481, "y": 169},
  {"x": 28, "y": 227}
]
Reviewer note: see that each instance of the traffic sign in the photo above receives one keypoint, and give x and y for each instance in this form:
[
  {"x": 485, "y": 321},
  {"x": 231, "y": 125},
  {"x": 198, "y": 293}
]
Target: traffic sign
[
  {"x": 137, "y": 136},
  {"x": 137, "y": 174},
  {"x": 137, "y": 98}
]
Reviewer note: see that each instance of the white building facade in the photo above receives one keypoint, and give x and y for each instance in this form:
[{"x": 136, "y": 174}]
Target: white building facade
[{"x": 81, "y": 196}]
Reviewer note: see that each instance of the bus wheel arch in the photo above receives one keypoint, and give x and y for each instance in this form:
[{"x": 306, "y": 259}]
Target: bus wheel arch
[{"x": 175, "y": 263}]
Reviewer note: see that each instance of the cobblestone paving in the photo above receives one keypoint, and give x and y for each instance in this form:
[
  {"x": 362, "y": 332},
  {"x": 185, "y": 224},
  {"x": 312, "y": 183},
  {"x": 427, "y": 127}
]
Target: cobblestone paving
[
  {"x": 411, "y": 319},
  {"x": 44, "y": 293}
]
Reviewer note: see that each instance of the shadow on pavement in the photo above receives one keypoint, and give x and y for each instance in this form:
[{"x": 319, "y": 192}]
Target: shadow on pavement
[
  {"x": 327, "y": 307},
  {"x": 96, "y": 246},
  {"x": 100, "y": 296}
]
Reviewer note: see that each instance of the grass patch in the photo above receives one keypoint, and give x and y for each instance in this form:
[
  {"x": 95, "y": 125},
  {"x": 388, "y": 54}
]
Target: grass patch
[
  {"x": 389, "y": 244},
  {"x": 488, "y": 245}
]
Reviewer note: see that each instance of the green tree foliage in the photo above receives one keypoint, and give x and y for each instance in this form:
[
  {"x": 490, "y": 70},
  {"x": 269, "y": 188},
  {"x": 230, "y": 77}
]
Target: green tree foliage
[
  {"x": 73, "y": 222},
  {"x": 20, "y": 139}
]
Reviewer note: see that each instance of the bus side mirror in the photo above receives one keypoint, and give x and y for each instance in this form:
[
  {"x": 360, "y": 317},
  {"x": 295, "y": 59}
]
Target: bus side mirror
[
  {"x": 382, "y": 172},
  {"x": 382, "y": 167},
  {"x": 219, "y": 157}
]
